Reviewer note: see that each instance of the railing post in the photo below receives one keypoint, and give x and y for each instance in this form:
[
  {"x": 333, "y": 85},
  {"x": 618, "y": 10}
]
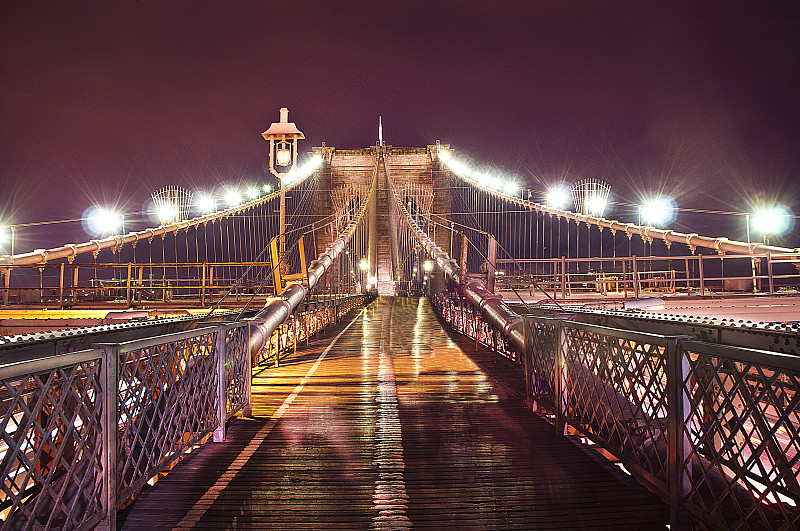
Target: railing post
[
  {"x": 686, "y": 274},
  {"x": 139, "y": 284},
  {"x": 6, "y": 285},
  {"x": 491, "y": 264},
  {"x": 294, "y": 333},
  {"x": 128, "y": 290},
  {"x": 677, "y": 443},
  {"x": 75, "y": 269},
  {"x": 222, "y": 399},
  {"x": 203, "y": 285},
  {"x": 464, "y": 254},
  {"x": 61, "y": 285},
  {"x": 769, "y": 274},
  {"x": 674, "y": 421},
  {"x": 248, "y": 409},
  {"x": 277, "y": 335},
  {"x": 110, "y": 433},
  {"x": 526, "y": 331},
  {"x": 700, "y": 273},
  {"x": 563, "y": 277},
  {"x": 635, "y": 278},
  {"x": 560, "y": 376}
]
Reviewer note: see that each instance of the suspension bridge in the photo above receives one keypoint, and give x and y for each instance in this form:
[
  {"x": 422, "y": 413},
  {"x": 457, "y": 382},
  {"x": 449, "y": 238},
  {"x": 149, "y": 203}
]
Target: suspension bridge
[{"x": 393, "y": 340}]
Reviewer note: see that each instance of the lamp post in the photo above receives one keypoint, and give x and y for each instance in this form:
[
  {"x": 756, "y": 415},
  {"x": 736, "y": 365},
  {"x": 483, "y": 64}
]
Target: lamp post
[
  {"x": 752, "y": 259},
  {"x": 283, "y": 137},
  {"x": 13, "y": 239}
]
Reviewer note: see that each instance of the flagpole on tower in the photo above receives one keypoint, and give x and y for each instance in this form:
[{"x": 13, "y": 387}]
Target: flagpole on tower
[{"x": 380, "y": 131}]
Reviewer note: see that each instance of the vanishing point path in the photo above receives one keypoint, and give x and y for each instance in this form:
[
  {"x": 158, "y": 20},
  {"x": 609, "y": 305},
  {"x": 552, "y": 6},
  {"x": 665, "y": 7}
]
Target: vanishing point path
[{"x": 389, "y": 422}]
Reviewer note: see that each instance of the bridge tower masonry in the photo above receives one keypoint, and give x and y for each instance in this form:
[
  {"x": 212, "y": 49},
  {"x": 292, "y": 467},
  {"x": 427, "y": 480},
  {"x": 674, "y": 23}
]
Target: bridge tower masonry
[{"x": 348, "y": 168}]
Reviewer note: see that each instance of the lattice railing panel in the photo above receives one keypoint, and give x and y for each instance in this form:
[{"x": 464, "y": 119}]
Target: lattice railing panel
[
  {"x": 308, "y": 323},
  {"x": 78, "y": 428},
  {"x": 715, "y": 430},
  {"x": 167, "y": 402},
  {"x": 542, "y": 342},
  {"x": 52, "y": 442},
  {"x": 616, "y": 393},
  {"x": 741, "y": 436},
  {"x": 237, "y": 368}
]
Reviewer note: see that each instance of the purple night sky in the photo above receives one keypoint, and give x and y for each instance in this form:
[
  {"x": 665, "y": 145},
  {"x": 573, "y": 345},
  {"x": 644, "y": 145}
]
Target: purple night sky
[{"x": 103, "y": 102}]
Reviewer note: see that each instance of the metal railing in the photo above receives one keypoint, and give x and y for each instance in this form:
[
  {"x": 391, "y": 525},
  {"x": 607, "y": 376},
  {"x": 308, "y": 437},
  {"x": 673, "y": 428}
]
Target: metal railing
[
  {"x": 83, "y": 432},
  {"x": 302, "y": 325},
  {"x": 130, "y": 282},
  {"x": 698, "y": 274},
  {"x": 713, "y": 429}
]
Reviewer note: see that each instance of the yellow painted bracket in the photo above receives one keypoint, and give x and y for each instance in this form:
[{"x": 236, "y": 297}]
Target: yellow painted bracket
[
  {"x": 276, "y": 270},
  {"x": 281, "y": 280}
]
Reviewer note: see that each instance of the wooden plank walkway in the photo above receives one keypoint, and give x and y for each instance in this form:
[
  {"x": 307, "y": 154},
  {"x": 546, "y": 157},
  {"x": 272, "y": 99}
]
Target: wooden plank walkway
[{"x": 399, "y": 426}]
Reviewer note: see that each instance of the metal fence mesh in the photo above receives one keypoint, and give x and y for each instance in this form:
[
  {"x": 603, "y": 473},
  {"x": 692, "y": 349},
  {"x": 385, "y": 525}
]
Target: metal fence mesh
[
  {"x": 51, "y": 449},
  {"x": 616, "y": 393},
  {"x": 167, "y": 402},
  {"x": 741, "y": 436}
]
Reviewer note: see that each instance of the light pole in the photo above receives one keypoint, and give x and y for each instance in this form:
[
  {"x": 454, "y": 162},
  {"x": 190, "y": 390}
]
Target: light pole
[
  {"x": 13, "y": 240},
  {"x": 283, "y": 137},
  {"x": 752, "y": 259}
]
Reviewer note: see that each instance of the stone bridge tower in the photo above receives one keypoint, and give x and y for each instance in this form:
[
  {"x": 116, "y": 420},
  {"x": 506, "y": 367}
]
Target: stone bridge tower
[{"x": 409, "y": 167}]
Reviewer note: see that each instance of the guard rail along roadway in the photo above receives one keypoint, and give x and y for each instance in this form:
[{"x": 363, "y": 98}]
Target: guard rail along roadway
[
  {"x": 713, "y": 429},
  {"x": 721, "y": 245},
  {"x": 278, "y": 310},
  {"x": 83, "y": 432}
]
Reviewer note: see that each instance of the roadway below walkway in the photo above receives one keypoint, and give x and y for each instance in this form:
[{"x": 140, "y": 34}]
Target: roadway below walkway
[{"x": 395, "y": 424}]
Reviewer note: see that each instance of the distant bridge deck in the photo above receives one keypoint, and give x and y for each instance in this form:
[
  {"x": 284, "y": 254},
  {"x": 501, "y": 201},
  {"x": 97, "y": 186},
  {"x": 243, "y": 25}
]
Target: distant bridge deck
[{"x": 397, "y": 425}]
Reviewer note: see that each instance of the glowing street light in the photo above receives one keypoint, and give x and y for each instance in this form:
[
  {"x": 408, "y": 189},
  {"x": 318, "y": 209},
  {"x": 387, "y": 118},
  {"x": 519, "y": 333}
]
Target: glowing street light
[
  {"x": 99, "y": 221},
  {"x": 206, "y": 204},
  {"x": 252, "y": 192},
  {"x": 282, "y": 137},
  {"x": 363, "y": 265},
  {"x": 427, "y": 265},
  {"x": 233, "y": 197},
  {"x": 511, "y": 188},
  {"x": 659, "y": 211},
  {"x": 557, "y": 197},
  {"x": 596, "y": 205},
  {"x": 267, "y": 188},
  {"x": 8, "y": 235},
  {"x": 776, "y": 220},
  {"x": 166, "y": 213},
  {"x": 483, "y": 179}
]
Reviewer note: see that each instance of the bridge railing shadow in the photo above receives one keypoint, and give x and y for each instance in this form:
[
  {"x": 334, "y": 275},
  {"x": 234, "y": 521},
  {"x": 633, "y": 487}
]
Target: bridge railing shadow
[{"x": 713, "y": 429}]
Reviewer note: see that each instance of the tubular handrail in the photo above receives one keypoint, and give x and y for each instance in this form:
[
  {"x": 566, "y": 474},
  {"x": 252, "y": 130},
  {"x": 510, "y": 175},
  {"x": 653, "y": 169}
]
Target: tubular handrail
[
  {"x": 491, "y": 305},
  {"x": 71, "y": 250},
  {"x": 278, "y": 310},
  {"x": 720, "y": 245}
]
